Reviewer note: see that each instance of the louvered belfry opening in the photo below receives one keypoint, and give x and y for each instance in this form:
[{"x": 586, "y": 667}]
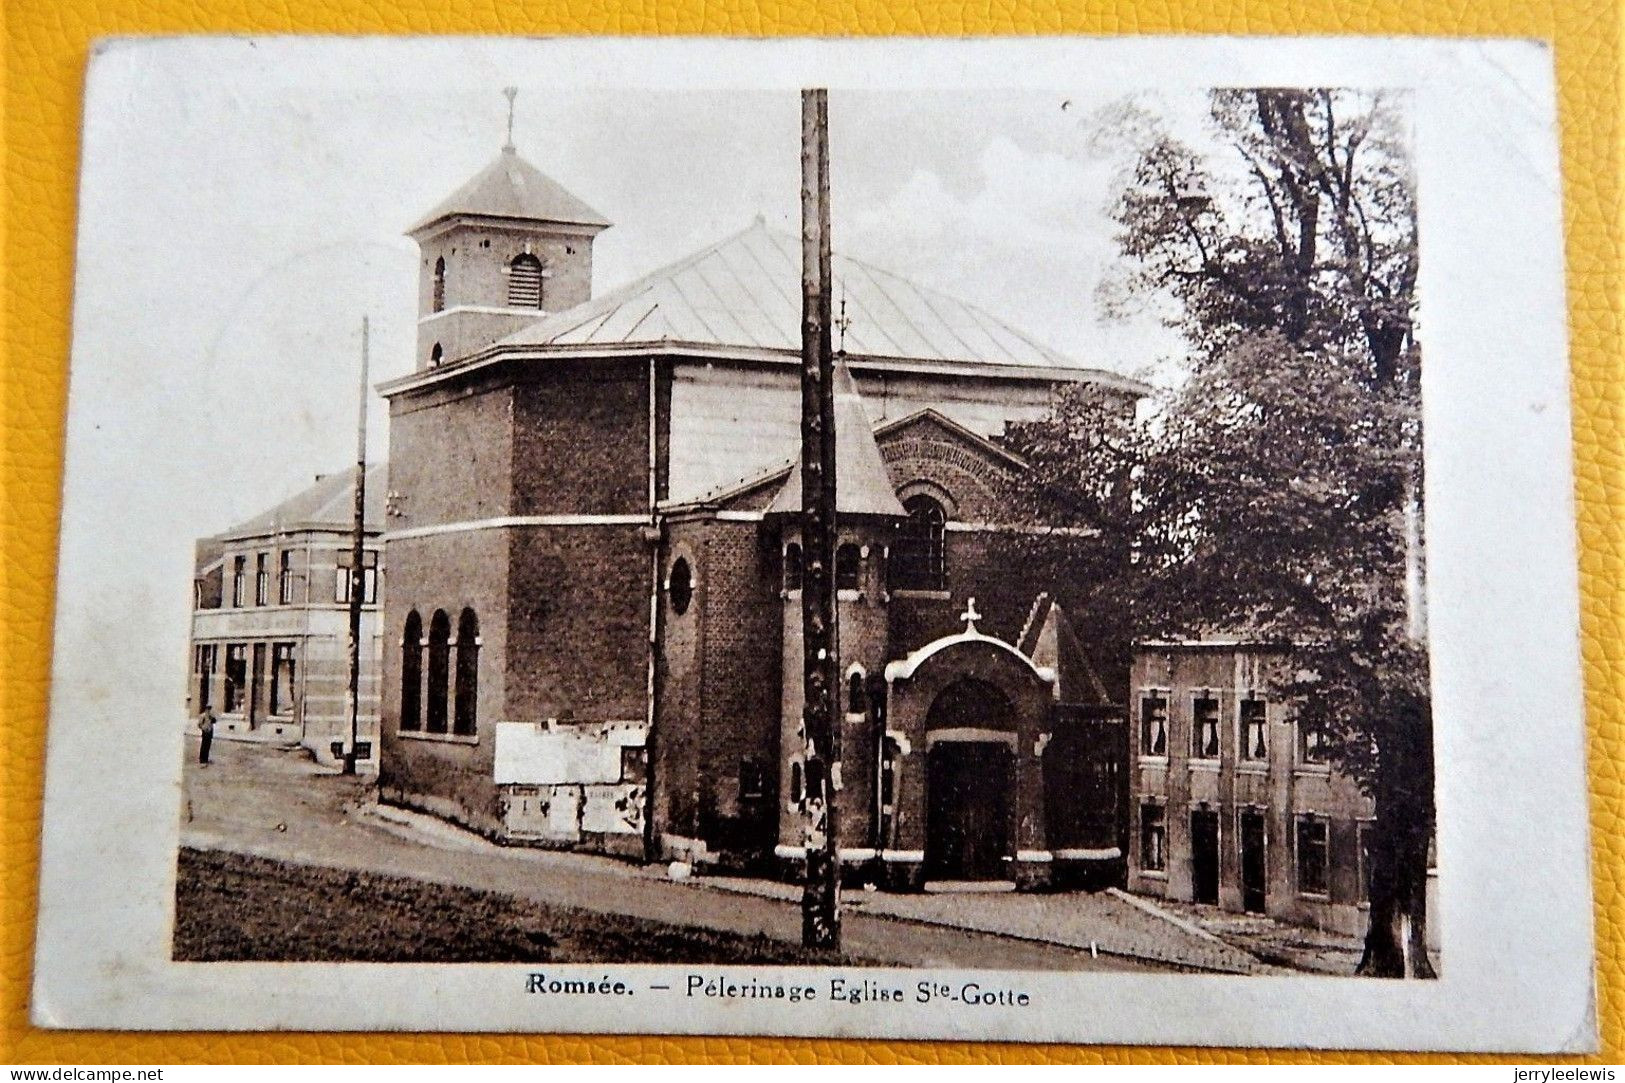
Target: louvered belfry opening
[{"x": 525, "y": 282}]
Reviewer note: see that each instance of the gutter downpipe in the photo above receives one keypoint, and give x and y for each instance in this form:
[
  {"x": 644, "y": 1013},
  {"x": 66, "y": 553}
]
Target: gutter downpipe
[{"x": 650, "y": 839}]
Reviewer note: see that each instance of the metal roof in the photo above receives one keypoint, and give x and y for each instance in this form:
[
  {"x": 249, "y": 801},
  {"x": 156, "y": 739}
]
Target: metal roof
[
  {"x": 745, "y": 292},
  {"x": 329, "y": 503},
  {"x": 511, "y": 187},
  {"x": 862, "y": 484}
]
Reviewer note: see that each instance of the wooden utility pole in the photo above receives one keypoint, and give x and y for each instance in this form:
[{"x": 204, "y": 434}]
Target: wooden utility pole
[
  {"x": 821, "y": 895},
  {"x": 358, "y": 576}
]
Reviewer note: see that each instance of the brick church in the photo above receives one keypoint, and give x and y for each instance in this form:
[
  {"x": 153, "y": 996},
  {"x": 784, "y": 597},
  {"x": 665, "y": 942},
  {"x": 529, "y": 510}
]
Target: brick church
[{"x": 592, "y": 627}]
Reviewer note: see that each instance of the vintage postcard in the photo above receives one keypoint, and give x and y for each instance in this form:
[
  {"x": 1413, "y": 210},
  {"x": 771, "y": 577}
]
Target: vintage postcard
[{"x": 1024, "y": 540}]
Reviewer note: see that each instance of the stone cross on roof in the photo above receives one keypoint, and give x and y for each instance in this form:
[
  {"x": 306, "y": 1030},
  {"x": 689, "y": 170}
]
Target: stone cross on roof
[{"x": 970, "y": 616}]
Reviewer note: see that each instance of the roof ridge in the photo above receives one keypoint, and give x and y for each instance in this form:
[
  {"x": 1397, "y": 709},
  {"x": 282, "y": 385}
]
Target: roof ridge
[
  {"x": 321, "y": 501},
  {"x": 889, "y": 425},
  {"x": 876, "y": 269},
  {"x": 628, "y": 291},
  {"x": 893, "y": 316},
  {"x": 1027, "y": 626}
]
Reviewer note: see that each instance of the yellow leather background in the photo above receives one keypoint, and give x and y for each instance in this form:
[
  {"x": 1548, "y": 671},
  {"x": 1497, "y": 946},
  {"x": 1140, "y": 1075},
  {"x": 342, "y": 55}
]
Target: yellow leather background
[{"x": 46, "y": 46}]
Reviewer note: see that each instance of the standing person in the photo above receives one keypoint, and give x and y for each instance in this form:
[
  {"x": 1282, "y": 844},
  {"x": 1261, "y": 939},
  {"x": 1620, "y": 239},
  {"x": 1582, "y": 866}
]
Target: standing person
[{"x": 205, "y": 725}]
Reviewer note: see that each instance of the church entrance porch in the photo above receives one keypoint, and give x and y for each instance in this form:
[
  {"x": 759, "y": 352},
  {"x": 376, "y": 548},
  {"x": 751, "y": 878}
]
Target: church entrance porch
[
  {"x": 970, "y": 717},
  {"x": 968, "y": 822}
]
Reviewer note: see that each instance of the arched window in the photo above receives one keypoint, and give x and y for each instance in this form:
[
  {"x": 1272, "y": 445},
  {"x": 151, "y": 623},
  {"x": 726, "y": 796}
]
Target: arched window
[
  {"x": 857, "y": 695},
  {"x": 439, "y": 670},
  {"x": 848, "y": 565},
  {"x": 525, "y": 282},
  {"x": 437, "y": 355},
  {"x": 464, "y": 713},
  {"x": 792, "y": 567},
  {"x": 412, "y": 673},
  {"x": 680, "y": 586},
  {"x": 919, "y": 558},
  {"x": 438, "y": 302}
]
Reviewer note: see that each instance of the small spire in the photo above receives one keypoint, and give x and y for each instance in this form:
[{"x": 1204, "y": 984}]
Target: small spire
[{"x": 511, "y": 92}]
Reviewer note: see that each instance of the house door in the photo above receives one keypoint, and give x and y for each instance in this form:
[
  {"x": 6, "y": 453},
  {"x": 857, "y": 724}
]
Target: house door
[
  {"x": 1205, "y": 856},
  {"x": 968, "y": 787},
  {"x": 1253, "y": 868}
]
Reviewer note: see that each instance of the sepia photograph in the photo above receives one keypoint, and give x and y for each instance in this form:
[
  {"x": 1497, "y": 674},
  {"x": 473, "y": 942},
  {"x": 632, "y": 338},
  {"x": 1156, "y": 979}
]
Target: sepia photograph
[{"x": 781, "y": 539}]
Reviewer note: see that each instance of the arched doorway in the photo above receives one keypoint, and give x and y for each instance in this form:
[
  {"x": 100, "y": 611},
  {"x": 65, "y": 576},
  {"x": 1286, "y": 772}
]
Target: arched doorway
[{"x": 970, "y": 783}]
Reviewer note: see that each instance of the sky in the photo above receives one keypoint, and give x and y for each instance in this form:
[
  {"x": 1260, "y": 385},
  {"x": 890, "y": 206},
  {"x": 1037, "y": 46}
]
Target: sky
[
  {"x": 235, "y": 233},
  {"x": 242, "y": 207}
]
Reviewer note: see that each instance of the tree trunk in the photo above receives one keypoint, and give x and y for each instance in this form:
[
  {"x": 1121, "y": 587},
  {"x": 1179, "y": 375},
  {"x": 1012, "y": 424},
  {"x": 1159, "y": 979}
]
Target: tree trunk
[{"x": 1396, "y": 941}]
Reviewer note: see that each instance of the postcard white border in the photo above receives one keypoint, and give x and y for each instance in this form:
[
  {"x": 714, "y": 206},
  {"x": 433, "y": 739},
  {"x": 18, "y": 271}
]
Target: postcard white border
[{"x": 1515, "y": 889}]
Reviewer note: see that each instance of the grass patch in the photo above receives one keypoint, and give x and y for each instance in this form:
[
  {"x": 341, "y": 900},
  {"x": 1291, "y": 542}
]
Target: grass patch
[{"x": 242, "y": 908}]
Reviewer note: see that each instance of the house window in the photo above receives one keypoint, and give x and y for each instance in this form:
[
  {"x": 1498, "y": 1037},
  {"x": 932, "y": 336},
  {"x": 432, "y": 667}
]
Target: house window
[
  {"x": 439, "y": 670},
  {"x": 465, "y": 711},
  {"x": 236, "y": 677},
  {"x": 412, "y": 673},
  {"x": 525, "y": 282},
  {"x": 282, "y": 678},
  {"x": 634, "y": 765},
  {"x": 1153, "y": 838},
  {"x": 857, "y": 695},
  {"x": 1154, "y": 726},
  {"x": 848, "y": 566},
  {"x": 262, "y": 579},
  {"x": 284, "y": 577},
  {"x": 920, "y": 557},
  {"x": 369, "y": 578},
  {"x": 680, "y": 586},
  {"x": 1311, "y": 743},
  {"x": 1313, "y": 855},
  {"x": 1254, "y": 730},
  {"x": 239, "y": 573},
  {"x": 752, "y": 780},
  {"x": 208, "y": 659},
  {"x": 792, "y": 567},
  {"x": 437, "y": 302},
  {"x": 1205, "y": 728}
]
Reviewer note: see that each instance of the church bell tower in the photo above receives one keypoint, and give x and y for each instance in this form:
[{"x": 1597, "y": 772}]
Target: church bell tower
[{"x": 506, "y": 249}]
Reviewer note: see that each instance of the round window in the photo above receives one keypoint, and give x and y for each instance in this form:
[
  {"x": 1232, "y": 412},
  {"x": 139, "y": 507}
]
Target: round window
[{"x": 680, "y": 584}]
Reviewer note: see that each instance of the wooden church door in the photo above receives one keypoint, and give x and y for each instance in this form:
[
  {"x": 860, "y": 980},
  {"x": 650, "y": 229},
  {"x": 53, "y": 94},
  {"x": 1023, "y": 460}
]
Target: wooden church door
[{"x": 968, "y": 812}]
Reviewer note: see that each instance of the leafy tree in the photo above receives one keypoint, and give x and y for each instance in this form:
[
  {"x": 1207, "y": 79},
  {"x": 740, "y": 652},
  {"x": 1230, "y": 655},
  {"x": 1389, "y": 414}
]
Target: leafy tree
[{"x": 1278, "y": 489}]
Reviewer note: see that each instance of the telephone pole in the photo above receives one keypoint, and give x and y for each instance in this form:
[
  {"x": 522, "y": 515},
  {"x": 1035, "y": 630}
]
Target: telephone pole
[
  {"x": 358, "y": 577},
  {"x": 821, "y": 894}
]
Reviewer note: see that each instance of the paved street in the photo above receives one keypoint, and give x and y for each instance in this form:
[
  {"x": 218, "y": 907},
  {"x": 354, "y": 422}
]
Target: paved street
[{"x": 277, "y": 804}]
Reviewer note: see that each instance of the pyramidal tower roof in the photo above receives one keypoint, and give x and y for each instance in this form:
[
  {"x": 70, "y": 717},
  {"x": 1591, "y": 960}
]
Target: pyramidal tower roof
[
  {"x": 511, "y": 187},
  {"x": 1051, "y": 642},
  {"x": 862, "y": 485}
]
